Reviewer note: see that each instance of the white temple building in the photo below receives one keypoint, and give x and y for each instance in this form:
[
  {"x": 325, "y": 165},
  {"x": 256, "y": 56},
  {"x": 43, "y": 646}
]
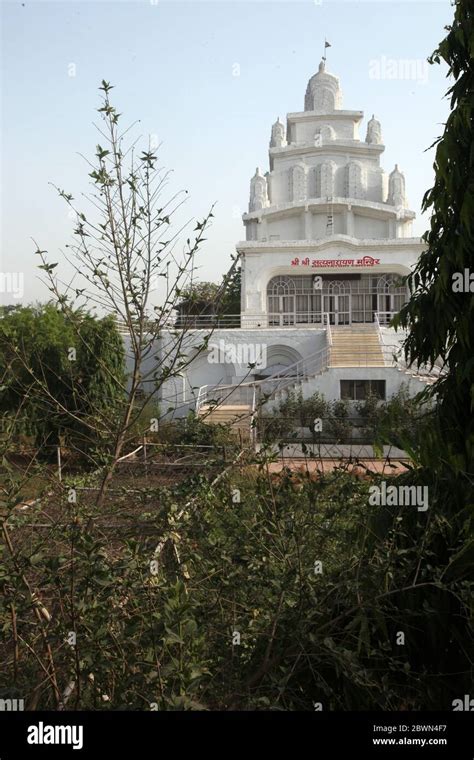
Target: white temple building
[
  {"x": 327, "y": 208},
  {"x": 328, "y": 238}
]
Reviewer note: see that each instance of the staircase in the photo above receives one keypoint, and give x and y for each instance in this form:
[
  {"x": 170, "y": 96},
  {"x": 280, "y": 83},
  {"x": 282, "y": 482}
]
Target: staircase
[
  {"x": 236, "y": 405},
  {"x": 356, "y": 346},
  {"x": 237, "y": 417}
]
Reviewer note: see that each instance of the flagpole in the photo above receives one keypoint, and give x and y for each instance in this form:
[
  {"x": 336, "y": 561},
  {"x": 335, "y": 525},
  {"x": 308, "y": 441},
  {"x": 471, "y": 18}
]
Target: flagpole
[{"x": 326, "y": 45}]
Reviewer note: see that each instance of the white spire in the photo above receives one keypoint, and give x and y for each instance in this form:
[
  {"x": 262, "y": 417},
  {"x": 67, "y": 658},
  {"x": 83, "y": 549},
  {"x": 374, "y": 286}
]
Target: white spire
[{"x": 323, "y": 93}]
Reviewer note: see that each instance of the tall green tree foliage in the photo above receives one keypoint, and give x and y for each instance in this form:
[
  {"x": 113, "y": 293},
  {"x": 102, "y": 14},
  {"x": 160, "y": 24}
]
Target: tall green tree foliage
[
  {"x": 440, "y": 320},
  {"x": 224, "y": 297},
  {"x": 231, "y": 299},
  {"x": 65, "y": 376}
]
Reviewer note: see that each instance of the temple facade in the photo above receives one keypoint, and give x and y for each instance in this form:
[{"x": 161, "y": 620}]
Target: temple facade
[
  {"x": 328, "y": 231},
  {"x": 328, "y": 241}
]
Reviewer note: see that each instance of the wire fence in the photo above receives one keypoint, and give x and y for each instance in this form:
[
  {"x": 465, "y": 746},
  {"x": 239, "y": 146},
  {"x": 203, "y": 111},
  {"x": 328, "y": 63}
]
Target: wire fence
[{"x": 328, "y": 430}]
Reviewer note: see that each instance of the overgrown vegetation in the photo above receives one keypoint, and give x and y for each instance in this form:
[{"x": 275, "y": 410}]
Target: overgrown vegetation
[
  {"x": 279, "y": 599},
  {"x": 63, "y": 379},
  {"x": 401, "y": 421},
  {"x": 242, "y": 588}
]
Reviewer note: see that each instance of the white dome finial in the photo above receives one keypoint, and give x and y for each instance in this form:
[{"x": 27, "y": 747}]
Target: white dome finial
[{"x": 323, "y": 93}]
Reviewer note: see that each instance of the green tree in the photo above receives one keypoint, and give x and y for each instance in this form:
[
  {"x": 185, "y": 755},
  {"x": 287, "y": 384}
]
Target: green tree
[
  {"x": 439, "y": 320},
  {"x": 123, "y": 250},
  {"x": 222, "y": 298},
  {"x": 232, "y": 287},
  {"x": 66, "y": 376},
  {"x": 440, "y": 324},
  {"x": 194, "y": 296}
]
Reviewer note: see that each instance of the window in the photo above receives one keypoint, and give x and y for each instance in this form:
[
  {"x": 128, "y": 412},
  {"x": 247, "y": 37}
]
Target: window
[{"x": 358, "y": 390}]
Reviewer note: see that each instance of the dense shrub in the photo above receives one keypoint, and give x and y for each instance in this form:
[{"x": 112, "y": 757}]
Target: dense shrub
[{"x": 266, "y": 593}]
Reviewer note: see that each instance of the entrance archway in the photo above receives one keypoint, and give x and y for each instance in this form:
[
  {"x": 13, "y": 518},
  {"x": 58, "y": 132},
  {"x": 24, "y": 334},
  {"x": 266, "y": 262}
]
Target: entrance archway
[
  {"x": 279, "y": 359},
  {"x": 390, "y": 297}
]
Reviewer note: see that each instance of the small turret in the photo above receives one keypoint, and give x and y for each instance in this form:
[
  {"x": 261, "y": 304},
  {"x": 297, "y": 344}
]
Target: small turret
[
  {"x": 396, "y": 188},
  {"x": 278, "y": 138},
  {"x": 258, "y": 191},
  {"x": 374, "y": 132}
]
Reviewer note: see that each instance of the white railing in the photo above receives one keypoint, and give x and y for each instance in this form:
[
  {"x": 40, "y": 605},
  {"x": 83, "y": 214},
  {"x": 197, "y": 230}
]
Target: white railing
[
  {"x": 383, "y": 318},
  {"x": 232, "y": 321},
  {"x": 251, "y": 321},
  {"x": 248, "y": 393},
  {"x": 278, "y": 320},
  {"x": 295, "y": 373},
  {"x": 393, "y": 353},
  {"x": 237, "y": 395},
  {"x": 393, "y": 357},
  {"x": 328, "y": 329},
  {"x": 165, "y": 322},
  {"x": 303, "y": 319}
]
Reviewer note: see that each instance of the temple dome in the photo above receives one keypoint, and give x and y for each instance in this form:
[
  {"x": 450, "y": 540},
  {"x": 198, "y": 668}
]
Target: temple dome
[{"x": 323, "y": 93}]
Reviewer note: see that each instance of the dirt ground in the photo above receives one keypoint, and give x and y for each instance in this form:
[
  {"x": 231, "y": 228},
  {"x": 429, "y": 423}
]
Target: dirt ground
[{"x": 378, "y": 466}]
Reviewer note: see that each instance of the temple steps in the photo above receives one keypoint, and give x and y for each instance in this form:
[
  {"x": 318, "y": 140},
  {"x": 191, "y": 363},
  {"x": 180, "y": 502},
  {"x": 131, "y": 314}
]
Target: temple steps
[
  {"x": 356, "y": 347},
  {"x": 235, "y": 416}
]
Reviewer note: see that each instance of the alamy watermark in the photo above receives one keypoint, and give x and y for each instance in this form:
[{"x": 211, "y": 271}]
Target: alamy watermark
[
  {"x": 224, "y": 352},
  {"x": 465, "y": 704},
  {"x": 399, "y": 496},
  {"x": 12, "y": 705},
  {"x": 463, "y": 282},
  {"x": 12, "y": 283},
  {"x": 412, "y": 69},
  {"x": 46, "y": 734}
]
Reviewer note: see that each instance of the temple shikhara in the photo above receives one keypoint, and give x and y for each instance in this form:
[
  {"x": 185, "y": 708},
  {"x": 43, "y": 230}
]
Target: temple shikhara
[
  {"x": 326, "y": 207},
  {"x": 328, "y": 241}
]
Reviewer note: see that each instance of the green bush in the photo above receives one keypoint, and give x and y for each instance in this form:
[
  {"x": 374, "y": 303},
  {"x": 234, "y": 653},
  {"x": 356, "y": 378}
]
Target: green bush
[{"x": 266, "y": 593}]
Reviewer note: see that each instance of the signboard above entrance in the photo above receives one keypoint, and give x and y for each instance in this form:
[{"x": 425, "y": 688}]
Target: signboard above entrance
[{"x": 366, "y": 261}]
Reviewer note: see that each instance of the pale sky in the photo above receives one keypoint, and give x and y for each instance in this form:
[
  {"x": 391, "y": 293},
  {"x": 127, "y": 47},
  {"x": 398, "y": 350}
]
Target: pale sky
[{"x": 209, "y": 79}]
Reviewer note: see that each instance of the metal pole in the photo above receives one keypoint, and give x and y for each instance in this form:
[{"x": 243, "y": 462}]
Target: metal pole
[
  {"x": 58, "y": 452},
  {"x": 144, "y": 455}
]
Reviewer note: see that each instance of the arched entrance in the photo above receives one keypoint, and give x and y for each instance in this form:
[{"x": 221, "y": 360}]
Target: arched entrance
[
  {"x": 390, "y": 297},
  {"x": 292, "y": 301},
  {"x": 279, "y": 359},
  {"x": 281, "y": 295}
]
